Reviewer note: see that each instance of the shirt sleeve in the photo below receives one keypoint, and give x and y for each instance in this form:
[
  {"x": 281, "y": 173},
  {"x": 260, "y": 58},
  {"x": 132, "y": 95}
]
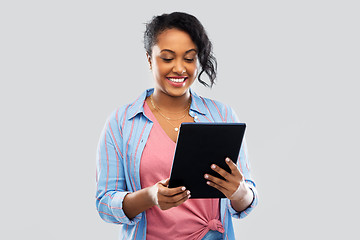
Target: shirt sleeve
[
  {"x": 244, "y": 166},
  {"x": 110, "y": 176}
]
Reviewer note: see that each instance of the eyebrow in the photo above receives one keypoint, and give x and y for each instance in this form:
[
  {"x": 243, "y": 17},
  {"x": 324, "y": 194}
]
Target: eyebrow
[{"x": 168, "y": 50}]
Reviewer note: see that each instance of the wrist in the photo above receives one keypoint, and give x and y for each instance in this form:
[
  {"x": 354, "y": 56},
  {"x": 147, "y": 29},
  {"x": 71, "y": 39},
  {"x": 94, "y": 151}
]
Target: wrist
[
  {"x": 246, "y": 197},
  {"x": 240, "y": 192},
  {"x": 152, "y": 195},
  {"x": 248, "y": 193}
]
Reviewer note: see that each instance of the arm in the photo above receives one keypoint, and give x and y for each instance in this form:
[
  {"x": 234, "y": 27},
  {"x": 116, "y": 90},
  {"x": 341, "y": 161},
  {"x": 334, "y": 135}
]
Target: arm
[
  {"x": 114, "y": 203},
  {"x": 239, "y": 181},
  {"x": 111, "y": 179},
  {"x": 233, "y": 187},
  {"x": 244, "y": 167},
  {"x": 243, "y": 164},
  {"x": 157, "y": 195}
]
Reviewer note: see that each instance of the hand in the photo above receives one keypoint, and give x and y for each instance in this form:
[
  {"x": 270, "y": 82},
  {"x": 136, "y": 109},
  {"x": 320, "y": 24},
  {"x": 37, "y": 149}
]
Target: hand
[
  {"x": 166, "y": 198},
  {"x": 234, "y": 186}
]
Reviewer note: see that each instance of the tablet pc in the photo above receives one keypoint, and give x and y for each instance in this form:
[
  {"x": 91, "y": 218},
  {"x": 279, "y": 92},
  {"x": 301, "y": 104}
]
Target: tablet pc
[{"x": 198, "y": 146}]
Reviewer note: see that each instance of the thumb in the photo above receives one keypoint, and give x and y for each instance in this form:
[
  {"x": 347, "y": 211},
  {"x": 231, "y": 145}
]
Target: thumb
[{"x": 165, "y": 182}]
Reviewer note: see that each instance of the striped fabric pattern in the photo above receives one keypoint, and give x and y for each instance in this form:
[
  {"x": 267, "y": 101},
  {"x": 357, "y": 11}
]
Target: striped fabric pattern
[{"x": 118, "y": 162}]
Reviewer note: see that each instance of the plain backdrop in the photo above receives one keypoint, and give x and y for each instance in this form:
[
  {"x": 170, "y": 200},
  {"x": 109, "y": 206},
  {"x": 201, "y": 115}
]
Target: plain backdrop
[{"x": 289, "y": 69}]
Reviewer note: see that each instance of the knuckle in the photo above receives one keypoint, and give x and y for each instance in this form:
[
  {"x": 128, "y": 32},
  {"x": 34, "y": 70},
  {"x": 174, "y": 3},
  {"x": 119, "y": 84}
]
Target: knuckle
[
  {"x": 214, "y": 181},
  {"x": 218, "y": 180},
  {"x": 183, "y": 196},
  {"x": 220, "y": 171},
  {"x": 178, "y": 198}
]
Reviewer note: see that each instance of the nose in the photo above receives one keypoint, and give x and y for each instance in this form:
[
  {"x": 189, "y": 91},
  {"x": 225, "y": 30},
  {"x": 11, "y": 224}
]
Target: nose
[{"x": 179, "y": 68}]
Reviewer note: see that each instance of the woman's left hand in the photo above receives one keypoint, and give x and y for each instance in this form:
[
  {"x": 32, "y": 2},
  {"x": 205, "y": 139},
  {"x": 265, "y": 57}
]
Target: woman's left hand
[{"x": 234, "y": 186}]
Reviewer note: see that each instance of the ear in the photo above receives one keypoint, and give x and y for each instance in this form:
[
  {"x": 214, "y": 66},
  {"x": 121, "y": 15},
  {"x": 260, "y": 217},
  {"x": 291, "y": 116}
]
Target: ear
[{"x": 149, "y": 59}]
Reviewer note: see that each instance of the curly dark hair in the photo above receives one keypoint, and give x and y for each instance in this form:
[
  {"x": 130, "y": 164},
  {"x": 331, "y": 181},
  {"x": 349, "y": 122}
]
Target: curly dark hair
[{"x": 190, "y": 25}]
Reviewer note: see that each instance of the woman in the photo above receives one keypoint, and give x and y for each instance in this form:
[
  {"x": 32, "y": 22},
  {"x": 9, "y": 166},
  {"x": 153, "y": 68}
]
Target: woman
[{"x": 137, "y": 145}]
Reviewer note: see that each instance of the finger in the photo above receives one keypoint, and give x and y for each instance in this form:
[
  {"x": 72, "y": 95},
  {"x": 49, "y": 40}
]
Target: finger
[
  {"x": 221, "y": 171},
  {"x": 165, "y": 182},
  {"x": 182, "y": 200},
  {"x": 218, "y": 187},
  {"x": 174, "y": 199},
  {"x": 165, "y": 191},
  {"x": 164, "y": 205},
  {"x": 234, "y": 169},
  {"x": 216, "y": 180},
  {"x": 181, "y": 197}
]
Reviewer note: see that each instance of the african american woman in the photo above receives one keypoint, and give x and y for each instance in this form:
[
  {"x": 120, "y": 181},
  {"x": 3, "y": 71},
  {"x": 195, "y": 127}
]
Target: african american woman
[{"x": 137, "y": 145}]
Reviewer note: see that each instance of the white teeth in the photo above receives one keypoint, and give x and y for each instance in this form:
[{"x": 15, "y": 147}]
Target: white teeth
[{"x": 178, "y": 80}]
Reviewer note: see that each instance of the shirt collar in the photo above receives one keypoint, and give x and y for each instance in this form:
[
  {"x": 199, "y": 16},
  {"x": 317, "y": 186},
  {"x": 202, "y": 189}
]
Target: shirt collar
[
  {"x": 137, "y": 107},
  {"x": 197, "y": 103}
]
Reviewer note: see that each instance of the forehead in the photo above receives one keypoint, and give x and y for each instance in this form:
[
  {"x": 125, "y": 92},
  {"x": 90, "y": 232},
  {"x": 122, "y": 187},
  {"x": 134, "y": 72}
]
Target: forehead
[{"x": 175, "y": 40}]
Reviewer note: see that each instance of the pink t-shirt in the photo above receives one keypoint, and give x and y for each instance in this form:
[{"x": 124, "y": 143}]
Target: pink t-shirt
[{"x": 192, "y": 219}]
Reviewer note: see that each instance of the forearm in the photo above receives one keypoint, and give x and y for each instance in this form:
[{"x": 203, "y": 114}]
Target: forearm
[
  {"x": 245, "y": 201},
  {"x": 138, "y": 202}
]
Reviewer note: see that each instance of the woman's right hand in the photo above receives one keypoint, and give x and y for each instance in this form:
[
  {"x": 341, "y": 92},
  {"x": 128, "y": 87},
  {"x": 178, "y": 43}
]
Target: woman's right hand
[{"x": 166, "y": 198}]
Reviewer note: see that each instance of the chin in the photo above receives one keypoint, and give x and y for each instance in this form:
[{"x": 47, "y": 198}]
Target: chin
[{"x": 177, "y": 92}]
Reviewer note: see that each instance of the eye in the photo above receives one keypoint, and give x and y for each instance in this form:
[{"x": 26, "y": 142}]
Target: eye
[
  {"x": 189, "y": 59},
  {"x": 167, "y": 59}
]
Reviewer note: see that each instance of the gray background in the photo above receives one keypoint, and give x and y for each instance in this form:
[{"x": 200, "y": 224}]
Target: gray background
[{"x": 288, "y": 68}]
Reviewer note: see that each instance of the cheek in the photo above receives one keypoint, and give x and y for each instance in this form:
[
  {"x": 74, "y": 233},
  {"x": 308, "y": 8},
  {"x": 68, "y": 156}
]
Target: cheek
[
  {"x": 162, "y": 69},
  {"x": 193, "y": 70}
]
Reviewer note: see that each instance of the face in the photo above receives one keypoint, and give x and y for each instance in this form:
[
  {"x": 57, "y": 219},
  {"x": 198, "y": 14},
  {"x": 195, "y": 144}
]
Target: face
[{"x": 174, "y": 62}]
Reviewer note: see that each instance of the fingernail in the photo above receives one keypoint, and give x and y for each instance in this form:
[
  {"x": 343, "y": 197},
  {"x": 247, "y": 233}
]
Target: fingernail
[
  {"x": 213, "y": 166},
  {"x": 188, "y": 192},
  {"x": 208, "y": 183},
  {"x": 183, "y": 188},
  {"x": 189, "y": 196},
  {"x": 227, "y": 159},
  {"x": 206, "y": 176}
]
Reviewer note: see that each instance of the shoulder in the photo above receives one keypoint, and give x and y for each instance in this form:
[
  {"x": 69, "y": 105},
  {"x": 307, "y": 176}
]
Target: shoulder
[
  {"x": 213, "y": 104},
  {"x": 125, "y": 112},
  {"x": 218, "y": 109},
  {"x": 118, "y": 114}
]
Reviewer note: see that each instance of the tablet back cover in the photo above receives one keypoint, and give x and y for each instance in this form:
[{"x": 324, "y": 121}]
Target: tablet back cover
[{"x": 198, "y": 146}]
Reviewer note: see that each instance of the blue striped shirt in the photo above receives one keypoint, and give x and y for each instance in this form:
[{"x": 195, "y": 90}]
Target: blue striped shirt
[{"x": 119, "y": 153}]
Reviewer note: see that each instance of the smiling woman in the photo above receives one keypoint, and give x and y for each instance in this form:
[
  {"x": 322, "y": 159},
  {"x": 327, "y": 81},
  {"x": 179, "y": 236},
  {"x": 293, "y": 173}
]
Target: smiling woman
[
  {"x": 174, "y": 65},
  {"x": 137, "y": 145}
]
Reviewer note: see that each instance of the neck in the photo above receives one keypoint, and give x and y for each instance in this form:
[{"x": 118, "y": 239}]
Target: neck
[{"x": 171, "y": 103}]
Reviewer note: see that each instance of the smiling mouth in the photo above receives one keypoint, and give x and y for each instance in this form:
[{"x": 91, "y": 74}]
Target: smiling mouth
[{"x": 177, "y": 79}]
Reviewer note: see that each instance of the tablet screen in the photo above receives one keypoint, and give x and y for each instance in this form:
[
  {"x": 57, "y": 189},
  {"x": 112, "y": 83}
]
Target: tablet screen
[{"x": 198, "y": 146}]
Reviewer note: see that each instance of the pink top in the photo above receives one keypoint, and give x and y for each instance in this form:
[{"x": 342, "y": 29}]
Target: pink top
[{"x": 192, "y": 219}]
